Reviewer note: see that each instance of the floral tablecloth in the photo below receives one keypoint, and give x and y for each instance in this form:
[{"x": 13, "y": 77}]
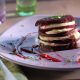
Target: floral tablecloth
[{"x": 14, "y": 69}]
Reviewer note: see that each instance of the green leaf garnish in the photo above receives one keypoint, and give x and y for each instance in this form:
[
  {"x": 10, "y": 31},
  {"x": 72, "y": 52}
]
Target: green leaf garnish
[{"x": 56, "y": 17}]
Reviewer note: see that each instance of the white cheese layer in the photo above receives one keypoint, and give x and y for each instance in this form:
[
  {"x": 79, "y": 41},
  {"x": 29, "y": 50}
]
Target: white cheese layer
[
  {"x": 75, "y": 33},
  {"x": 58, "y": 25},
  {"x": 55, "y": 31},
  {"x": 52, "y": 44}
]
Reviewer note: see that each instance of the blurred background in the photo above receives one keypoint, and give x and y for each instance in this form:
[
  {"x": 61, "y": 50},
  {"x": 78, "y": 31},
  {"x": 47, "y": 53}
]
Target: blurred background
[
  {"x": 56, "y": 7},
  {"x": 10, "y": 0}
]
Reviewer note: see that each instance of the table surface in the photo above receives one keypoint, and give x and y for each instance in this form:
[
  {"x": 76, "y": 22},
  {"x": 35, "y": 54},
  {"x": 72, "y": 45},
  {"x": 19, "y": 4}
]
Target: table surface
[{"x": 51, "y": 7}]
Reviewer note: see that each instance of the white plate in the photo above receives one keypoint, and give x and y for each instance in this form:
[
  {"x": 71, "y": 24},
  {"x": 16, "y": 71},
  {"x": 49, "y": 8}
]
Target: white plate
[{"x": 25, "y": 27}]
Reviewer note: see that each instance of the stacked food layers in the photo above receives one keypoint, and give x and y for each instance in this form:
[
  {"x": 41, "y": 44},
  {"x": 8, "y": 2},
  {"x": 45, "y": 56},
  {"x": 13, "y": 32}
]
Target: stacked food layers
[{"x": 58, "y": 33}]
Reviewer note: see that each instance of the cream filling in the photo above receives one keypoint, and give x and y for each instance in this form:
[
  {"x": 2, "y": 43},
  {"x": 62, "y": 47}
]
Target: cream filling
[
  {"x": 75, "y": 33},
  {"x": 52, "y": 44},
  {"x": 58, "y": 31},
  {"x": 78, "y": 43},
  {"x": 58, "y": 25}
]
